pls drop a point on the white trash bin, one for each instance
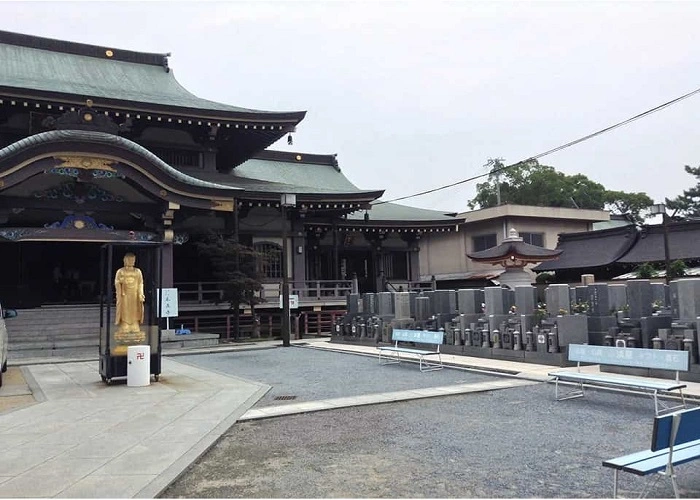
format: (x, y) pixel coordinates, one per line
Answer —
(138, 368)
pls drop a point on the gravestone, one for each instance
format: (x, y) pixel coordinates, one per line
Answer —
(354, 303)
(650, 326)
(445, 301)
(572, 329)
(385, 303)
(599, 299)
(557, 299)
(402, 305)
(618, 296)
(369, 304)
(659, 293)
(526, 299)
(685, 299)
(469, 301)
(639, 298)
(423, 310)
(431, 295)
(412, 302)
(496, 321)
(582, 293)
(498, 300)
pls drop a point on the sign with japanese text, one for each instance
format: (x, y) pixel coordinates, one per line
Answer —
(168, 302)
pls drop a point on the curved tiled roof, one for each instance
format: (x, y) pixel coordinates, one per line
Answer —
(86, 71)
(394, 212)
(518, 249)
(683, 238)
(104, 139)
(591, 249)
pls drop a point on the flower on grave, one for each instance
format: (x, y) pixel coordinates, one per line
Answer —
(580, 307)
(513, 310)
(657, 305)
(541, 311)
(483, 307)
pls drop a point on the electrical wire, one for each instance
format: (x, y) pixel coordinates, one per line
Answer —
(549, 152)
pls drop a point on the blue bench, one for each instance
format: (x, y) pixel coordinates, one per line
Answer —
(625, 356)
(675, 440)
(416, 336)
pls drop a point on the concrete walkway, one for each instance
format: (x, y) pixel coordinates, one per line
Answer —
(89, 440)
(85, 439)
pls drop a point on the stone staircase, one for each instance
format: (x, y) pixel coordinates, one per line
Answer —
(73, 331)
(50, 330)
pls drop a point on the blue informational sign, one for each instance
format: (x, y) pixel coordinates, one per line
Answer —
(420, 336)
(630, 356)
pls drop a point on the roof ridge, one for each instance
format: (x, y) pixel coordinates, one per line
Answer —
(298, 157)
(83, 49)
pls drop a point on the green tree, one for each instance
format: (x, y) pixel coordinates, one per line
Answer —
(645, 271)
(238, 267)
(529, 183)
(632, 204)
(688, 203)
(676, 269)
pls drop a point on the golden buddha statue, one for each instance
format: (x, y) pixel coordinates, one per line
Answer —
(128, 283)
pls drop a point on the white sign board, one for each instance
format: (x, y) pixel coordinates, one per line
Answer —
(168, 302)
(293, 302)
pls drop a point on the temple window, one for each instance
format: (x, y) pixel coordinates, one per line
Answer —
(270, 260)
(483, 241)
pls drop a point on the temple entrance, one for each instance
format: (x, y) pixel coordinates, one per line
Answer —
(42, 273)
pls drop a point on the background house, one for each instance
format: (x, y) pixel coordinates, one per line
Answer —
(444, 255)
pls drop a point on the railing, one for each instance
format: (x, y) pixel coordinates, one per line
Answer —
(205, 292)
(264, 325)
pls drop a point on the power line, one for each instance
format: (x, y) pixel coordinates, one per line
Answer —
(553, 150)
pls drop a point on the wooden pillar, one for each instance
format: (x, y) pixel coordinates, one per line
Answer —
(336, 261)
(298, 250)
(168, 280)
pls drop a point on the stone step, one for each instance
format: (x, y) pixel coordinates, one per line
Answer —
(49, 337)
(58, 344)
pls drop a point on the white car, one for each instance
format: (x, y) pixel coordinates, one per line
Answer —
(4, 313)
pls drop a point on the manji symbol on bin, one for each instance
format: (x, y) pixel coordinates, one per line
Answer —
(139, 355)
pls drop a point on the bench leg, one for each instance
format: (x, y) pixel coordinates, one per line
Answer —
(616, 477)
(429, 367)
(574, 393)
(389, 359)
(661, 406)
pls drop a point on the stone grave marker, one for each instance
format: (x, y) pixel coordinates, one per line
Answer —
(557, 299)
(469, 301)
(639, 298)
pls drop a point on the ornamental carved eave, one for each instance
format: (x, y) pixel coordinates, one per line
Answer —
(85, 163)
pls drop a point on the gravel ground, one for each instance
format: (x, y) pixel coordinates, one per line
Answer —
(313, 374)
(510, 443)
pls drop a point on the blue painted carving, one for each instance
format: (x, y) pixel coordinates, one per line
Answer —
(75, 172)
(181, 238)
(78, 192)
(78, 222)
(13, 234)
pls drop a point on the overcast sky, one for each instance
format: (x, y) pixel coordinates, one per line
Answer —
(415, 95)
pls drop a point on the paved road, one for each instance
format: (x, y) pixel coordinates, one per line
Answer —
(511, 443)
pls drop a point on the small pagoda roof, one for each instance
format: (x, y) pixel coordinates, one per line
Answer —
(72, 72)
(514, 247)
(591, 249)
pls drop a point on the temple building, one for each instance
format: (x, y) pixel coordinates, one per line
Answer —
(100, 145)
